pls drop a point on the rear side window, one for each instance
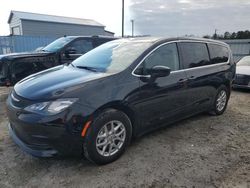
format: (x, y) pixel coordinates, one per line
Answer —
(218, 53)
(194, 54)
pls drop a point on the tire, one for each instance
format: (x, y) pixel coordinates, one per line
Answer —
(103, 144)
(220, 101)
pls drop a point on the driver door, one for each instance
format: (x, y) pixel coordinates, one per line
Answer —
(163, 98)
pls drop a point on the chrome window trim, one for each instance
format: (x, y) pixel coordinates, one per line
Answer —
(181, 70)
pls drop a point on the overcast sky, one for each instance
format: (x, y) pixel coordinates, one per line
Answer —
(153, 17)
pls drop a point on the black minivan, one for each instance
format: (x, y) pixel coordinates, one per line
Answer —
(119, 90)
(16, 66)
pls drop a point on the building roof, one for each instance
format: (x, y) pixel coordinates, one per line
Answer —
(52, 18)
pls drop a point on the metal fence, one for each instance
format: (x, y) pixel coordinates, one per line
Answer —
(11, 44)
(239, 47)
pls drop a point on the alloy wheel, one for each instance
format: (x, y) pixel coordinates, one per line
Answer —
(221, 100)
(110, 138)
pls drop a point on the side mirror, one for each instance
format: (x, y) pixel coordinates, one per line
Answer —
(159, 71)
(70, 51)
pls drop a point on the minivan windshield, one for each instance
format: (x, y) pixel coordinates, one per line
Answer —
(113, 56)
(245, 61)
(57, 44)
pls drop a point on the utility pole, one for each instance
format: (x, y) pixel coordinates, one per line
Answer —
(215, 33)
(132, 22)
(122, 18)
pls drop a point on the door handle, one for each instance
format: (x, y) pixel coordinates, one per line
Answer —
(192, 78)
(183, 80)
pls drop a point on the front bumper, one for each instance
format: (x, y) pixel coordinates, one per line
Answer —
(35, 151)
(241, 86)
(242, 82)
(45, 136)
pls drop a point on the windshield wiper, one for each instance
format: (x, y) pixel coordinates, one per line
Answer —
(87, 68)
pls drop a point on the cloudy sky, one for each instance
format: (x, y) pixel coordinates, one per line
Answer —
(152, 17)
(198, 17)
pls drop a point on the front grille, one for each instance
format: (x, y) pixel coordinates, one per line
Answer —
(19, 101)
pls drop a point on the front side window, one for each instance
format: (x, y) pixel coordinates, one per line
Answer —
(166, 55)
(218, 53)
(194, 54)
(81, 46)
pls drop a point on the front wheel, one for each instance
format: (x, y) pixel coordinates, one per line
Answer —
(108, 136)
(221, 100)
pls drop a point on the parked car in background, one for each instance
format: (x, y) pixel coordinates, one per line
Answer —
(242, 79)
(120, 89)
(14, 67)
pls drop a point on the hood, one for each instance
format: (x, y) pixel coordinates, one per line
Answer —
(23, 55)
(54, 82)
(245, 70)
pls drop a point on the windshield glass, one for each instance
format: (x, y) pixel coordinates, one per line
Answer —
(57, 44)
(113, 56)
(245, 61)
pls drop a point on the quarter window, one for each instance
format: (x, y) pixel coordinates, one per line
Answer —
(218, 54)
(166, 55)
(194, 54)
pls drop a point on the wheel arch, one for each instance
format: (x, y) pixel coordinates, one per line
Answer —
(123, 107)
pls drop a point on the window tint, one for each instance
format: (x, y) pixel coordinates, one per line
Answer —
(166, 55)
(194, 54)
(81, 46)
(218, 54)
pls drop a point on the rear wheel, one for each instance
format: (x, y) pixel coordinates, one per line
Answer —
(221, 100)
(108, 136)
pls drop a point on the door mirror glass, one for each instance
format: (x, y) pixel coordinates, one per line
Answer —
(159, 71)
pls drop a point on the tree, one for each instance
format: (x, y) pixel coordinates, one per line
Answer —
(233, 35)
(227, 35)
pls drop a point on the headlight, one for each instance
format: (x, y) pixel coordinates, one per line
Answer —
(51, 107)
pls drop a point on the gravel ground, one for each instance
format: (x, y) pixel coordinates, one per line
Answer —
(203, 151)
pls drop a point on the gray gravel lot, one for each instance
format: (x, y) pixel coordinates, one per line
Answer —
(203, 151)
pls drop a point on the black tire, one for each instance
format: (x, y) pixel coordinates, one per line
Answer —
(90, 149)
(215, 109)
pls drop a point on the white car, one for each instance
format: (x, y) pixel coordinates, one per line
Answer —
(242, 79)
